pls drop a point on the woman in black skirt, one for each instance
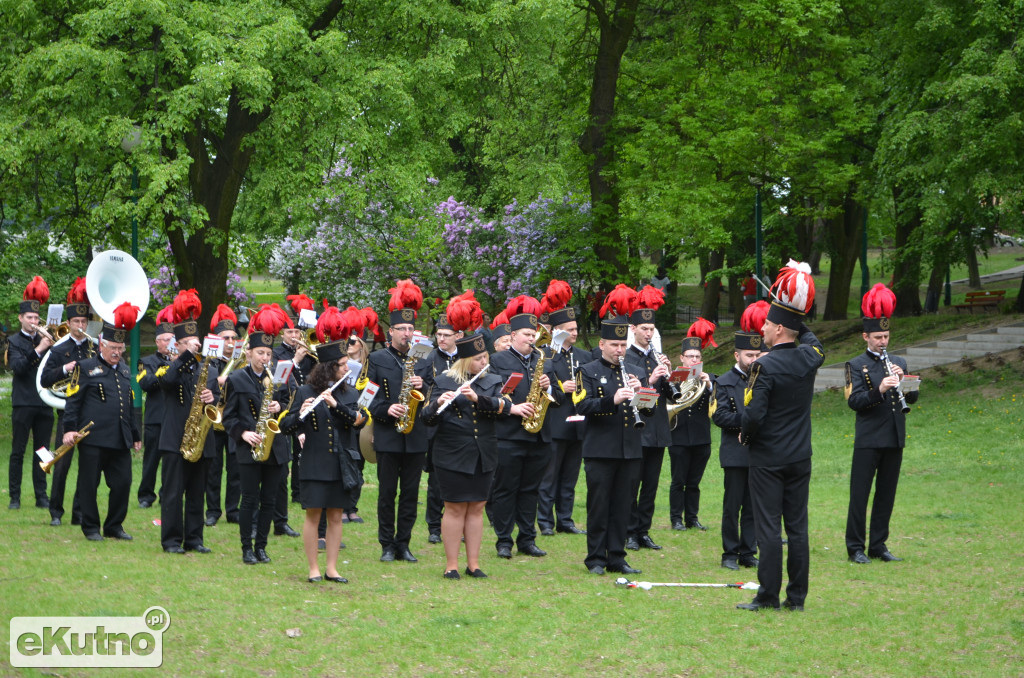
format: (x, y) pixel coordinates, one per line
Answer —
(465, 451)
(326, 469)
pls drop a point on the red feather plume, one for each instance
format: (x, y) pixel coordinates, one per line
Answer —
(223, 312)
(77, 294)
(38, 290)
(187, 306)
(705, 330)
(794, 287)
(621, 300)
(500, 319)
(125, 316)
(754, 316)
(300, 302)
(557, 296)
(879, 302)
(523, 304)
(166, 315)
(406, 294)
(330, 326)
(354, 322)
(650, 297)
(464, 312)
(372, 323)
(270, 319)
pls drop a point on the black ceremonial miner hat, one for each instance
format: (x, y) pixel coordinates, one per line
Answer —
(471, 346)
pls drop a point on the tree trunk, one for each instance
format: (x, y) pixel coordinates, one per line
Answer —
(735, 294)
(843, 234)
(907, 266)
(1019, 306)
(712, 288)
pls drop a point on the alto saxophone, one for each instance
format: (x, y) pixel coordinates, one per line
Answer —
(538, 397)
(266, 426)
(200, 418)
(409, 397)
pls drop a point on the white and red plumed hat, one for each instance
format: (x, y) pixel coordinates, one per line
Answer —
(125, 317)
(267, 323)
(648, 300)
(877, 307)
(752, 326)
(522, 312)
(700, 334)
(36, 294)
(793, 293)
(620, 301)
(223, 320)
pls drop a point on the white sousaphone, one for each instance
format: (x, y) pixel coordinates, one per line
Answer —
(113, 278)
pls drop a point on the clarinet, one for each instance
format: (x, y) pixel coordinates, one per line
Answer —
(899, 391)
(637, 421)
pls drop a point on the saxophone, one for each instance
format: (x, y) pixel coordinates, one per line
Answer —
(538, 397)
(266, 426)
(200, 418)
(409, 397)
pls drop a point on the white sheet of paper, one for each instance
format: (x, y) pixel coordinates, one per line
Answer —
(213, 346)
(645, 398)
(282, 372)
(44, 455)
(368, 393)
(307, 318)
(55, 314)
(909, 384)
(557, 339)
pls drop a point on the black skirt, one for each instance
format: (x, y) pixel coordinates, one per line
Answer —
(457, 487)
(324, 494)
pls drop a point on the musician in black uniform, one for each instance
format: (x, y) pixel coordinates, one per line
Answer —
(181, 522)
(104, 397)
(522, 456)
(261, 480)
(739, 543)
(880, 434)
(465, 452)
(777, 428)
(557, 495)
(29, 414)
(327, 469)
(359, 351)
(223, 463)
(442, 358)
(400, 456)
(58, 365)
(292, 347)
(501, 337)
(612, 449)
(151, 371)
(691, 447)
(655, 435)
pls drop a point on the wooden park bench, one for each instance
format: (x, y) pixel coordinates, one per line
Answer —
(982, 299)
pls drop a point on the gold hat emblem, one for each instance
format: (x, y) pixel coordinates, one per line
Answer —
(192, 328)
(267, 340)
(118, 336)
(883, 322)
(570, 313)
(755, 342)
(34, 305)
(647, 315)
(620, 331)
(478, 344)
(408, 315)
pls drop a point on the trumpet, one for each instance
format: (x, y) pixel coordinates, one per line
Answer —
(307, 341)
(83, 432)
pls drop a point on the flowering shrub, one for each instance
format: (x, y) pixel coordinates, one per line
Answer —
(164, 287)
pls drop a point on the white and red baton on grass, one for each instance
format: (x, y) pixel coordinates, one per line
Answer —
(647, 585)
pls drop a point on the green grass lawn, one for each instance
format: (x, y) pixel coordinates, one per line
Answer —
(954, 607)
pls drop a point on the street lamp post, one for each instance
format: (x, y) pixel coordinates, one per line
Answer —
(865, 275)
(758, 237)
(128, 144)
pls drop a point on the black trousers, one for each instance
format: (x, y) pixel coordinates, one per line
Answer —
(557, 494)
(738, 538)
(261, 484)
(116, 467)
(687, 464)
(58, 485)
(26, 421)
(150, 464)
(296, 483)
(181, 505)
(398, 476)
(641, 512)
(358, 490)
(779, 495)
(881, 466)
(435, 506)
(521, 467)
(611, 486)
(281, 505)
(222, 464)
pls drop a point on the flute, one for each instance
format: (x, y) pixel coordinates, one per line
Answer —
(445, 404)
(319, 398)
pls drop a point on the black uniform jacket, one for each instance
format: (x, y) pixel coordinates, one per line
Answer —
(509, 426)
(153, 385)
(439, 361)
(23, 361)
(728, 416)
(242, 409)
(656, 432)
(466, 431)
(777, 419)
(693, 425)
(301, 370)
(329, 431)
(386, 370)
(609, 433)
(880, 419)
(179, 390)
(561, 368)
(60, 354)
(104, 397)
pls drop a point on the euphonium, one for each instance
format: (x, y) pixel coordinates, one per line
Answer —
(266, 426)
(200, 418)
(538, 397)
(409, 397)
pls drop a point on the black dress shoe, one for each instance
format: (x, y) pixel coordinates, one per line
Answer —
(452, 574)
(313, 580)
(648, 543)
(532, 550)
(434, 538)
(199, 549)
(572, 529)
(756, 605)
(504, 551)
(354, 518)
(749, 561)
(94, 536)
(632, 544)
(248, 557)
(859, 558)
(885, 557)
(695, 524)
(336, 580)
(211, 521)
(596, 569)
(321, 544)
(285, 530)
(76, 520)
(678, 525)
(119, 534)
(476, 574)
(54, 522)
(261, 556)
(786, 605)
(730, 564)
(43, 503)
(145, 503)
(176, 549)
(14, 505)
(407, 556)
(548, 532)
(386, 555)
(624, 568)
(232, 519)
